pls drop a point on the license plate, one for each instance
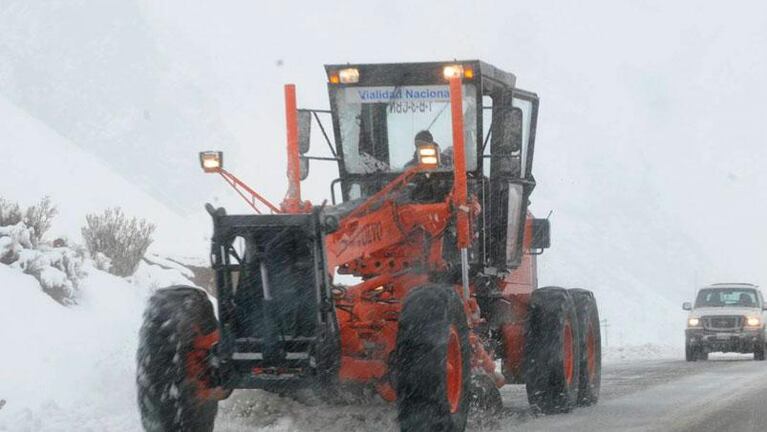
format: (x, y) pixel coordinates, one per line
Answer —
(723, 336)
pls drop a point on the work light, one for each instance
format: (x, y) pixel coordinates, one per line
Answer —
(211, 161)
(428, 155)
(349, 76)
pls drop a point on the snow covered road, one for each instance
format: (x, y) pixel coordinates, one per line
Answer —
(725, 393)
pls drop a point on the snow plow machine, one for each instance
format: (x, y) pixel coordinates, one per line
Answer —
(418, 281)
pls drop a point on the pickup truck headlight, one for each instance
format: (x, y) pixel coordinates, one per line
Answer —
(693, 322)
(753, 321)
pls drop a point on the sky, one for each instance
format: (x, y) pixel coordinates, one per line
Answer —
(650, 103)
(649, 141)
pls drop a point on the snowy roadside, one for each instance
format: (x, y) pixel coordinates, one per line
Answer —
(644, 352)
(72, 368)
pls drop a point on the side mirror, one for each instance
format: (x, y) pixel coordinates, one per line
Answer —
(304, 130)
(506, 141)
(303, 168)
(541, 234)
(304, 141)
(687, 306)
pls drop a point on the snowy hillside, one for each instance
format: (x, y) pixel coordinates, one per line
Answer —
(65, 368)
(94, 72)
(654, 182)
(40, 162)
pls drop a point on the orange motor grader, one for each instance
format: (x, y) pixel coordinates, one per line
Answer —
(418, 279)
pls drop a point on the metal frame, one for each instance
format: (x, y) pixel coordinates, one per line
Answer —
(241, 356)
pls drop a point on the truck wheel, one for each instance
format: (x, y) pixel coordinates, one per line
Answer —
(433, 361)
(701, 354)
(552, 351)
(590, 342)
(759, 350)
(689, 352)
(173, 373)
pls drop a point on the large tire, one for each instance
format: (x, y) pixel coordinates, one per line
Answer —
(552, 351)
(173, 372)
(689, 352)
(433, 361)
(590, 378)
(701, 354)
(759, 350)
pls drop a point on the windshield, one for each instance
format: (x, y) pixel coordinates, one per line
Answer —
(378, 125)
(720, 297)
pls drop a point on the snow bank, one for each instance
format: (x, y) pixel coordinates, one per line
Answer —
(57, 269)
(65, 369)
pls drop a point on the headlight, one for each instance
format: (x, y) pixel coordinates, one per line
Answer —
(753, 321)
(693, 322)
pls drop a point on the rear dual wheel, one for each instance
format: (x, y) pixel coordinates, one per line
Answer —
(552, 351)
(433, 361)
(590, 342)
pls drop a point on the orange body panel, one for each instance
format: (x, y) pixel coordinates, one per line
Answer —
(516, 289)
(396, 247)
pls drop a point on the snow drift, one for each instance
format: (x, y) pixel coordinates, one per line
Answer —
(67, 368)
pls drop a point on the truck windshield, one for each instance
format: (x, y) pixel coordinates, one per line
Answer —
(720, 297)
(378, 125)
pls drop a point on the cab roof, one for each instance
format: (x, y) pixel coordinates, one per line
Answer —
(423, 72)
(731, 285)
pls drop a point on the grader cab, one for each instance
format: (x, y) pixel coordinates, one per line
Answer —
(417, 276)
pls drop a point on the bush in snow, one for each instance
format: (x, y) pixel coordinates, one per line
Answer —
(102, 262)
(14, 239)
(58, 269)
(39, 218)
(10, 213)
(122, 239)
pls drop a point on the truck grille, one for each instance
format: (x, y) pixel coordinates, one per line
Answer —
(722, 322)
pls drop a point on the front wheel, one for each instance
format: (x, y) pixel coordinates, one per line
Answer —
(701, 354)
(689, 352)
(433, 361)
(174, 376)
(759, 350)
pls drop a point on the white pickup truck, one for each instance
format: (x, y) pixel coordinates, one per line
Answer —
(726, 317)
